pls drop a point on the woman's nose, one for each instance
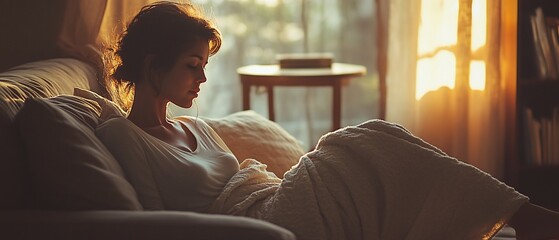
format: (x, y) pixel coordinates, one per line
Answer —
(202, 77)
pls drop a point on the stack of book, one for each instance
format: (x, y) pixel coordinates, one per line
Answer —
(542, 141)
(546, 44)
(305, 60)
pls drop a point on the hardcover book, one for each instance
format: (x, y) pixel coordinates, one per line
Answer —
(305, 60)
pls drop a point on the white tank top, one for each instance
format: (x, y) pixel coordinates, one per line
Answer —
(167, 177)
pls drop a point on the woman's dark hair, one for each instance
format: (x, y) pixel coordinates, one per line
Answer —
(162, 30)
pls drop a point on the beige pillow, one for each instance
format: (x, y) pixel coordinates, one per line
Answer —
(68, 166)
(109, 108)
(250, 135)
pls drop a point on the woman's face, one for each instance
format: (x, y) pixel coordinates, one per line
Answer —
(182, 83)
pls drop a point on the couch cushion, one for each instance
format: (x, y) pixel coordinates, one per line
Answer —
(250, 135)
(109, 109)
(68, 167)
(46, 78)
(138, 225)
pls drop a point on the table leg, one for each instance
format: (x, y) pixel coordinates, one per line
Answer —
(336, 105)
(271, 112)
(246, 96)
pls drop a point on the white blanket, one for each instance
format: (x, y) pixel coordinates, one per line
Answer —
(373, 181)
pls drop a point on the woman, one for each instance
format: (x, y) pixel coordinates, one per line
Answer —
(182, 164)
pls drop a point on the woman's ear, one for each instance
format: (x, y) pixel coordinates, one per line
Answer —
(150, 74)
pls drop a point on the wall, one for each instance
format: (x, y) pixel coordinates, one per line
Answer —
(29, 31)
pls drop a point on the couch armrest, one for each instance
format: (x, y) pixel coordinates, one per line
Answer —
(135, 225)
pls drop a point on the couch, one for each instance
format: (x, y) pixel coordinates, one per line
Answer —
(59, 182)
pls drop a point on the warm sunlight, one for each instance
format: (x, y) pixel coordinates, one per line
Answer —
(438, 25)
(477, 75)
(479, 24)
(436, 65)
(435, 72)
(479, 31)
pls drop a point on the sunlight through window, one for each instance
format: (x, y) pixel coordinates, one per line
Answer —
(438, 27)
(479, 23)
(479, 31)
(434, 73)
(477, 75)
(436, 65)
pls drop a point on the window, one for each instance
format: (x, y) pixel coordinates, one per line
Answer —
(254, 31)
(438, 45)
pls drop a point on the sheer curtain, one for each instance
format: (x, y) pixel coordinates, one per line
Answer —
(88, 25)
(443, 77)
(78, 35)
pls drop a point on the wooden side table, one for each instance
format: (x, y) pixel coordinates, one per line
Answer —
(272, 75)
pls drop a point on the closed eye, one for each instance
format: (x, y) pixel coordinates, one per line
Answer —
(194, 66)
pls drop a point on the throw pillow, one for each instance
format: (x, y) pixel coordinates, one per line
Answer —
(69, 168)
(250, 135)
(109, 109)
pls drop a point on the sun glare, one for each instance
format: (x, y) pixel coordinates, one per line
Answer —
(479, 23)
(438, 25)
(438, 30)
(479, 38)
(434, 73)
(477, 75)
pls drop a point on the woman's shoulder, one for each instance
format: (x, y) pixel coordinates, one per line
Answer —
(119, 126)
(185, 118)
(192, 121)
(115, 123)
(204, 129)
